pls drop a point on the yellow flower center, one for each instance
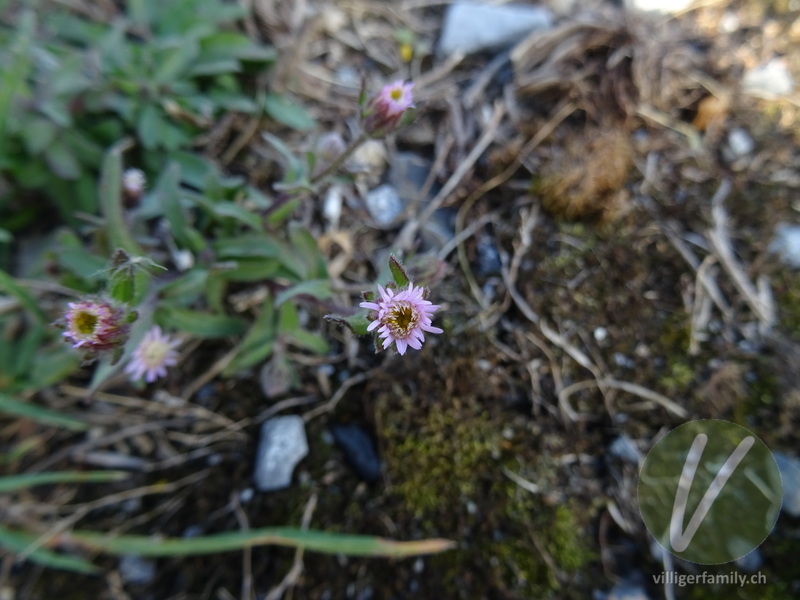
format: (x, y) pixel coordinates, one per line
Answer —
(154, 354)
(396, 94)
(403, 319)
(85, 322)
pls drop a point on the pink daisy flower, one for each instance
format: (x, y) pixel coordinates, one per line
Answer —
(402, 317)
(152, 356)
(388, 107)
(95, 325)
(395, 98)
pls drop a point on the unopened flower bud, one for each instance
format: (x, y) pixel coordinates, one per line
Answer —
(386, 109)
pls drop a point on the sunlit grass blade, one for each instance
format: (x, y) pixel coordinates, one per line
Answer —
(317, 541)
(39, 414)
(12, 483)
(18, 542)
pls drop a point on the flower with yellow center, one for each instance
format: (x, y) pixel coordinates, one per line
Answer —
(152, 356)
(95, 325)
(402, 317)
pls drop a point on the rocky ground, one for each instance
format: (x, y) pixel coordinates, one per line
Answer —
(605, 205)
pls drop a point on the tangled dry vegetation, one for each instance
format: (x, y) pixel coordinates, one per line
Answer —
(607, 273)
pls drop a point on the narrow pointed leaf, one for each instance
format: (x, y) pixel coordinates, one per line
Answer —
(317, 541)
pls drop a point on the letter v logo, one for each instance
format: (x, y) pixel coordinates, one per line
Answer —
(709, 491)
(680, 540)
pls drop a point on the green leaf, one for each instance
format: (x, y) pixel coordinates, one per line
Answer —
(185, 289)
(228, 210)
(61, 159)
(226, 45)
(259, 342)
(12, 288)
(195, 170)
(308, 341)
(19, 542)
(25, 350)
(111, 200)
(251, 269)
(215, 67)
(71, 255)
(288, 113)
(12, 483)
(288, 320)
(51, 366)
(173, 62)
(38, 135)
(150, 126)
(167, 194)
(200, 324)
(39, 414)
(15, 75)
(317, 541)
(398, 272)
(248, 245)
(307, 250)
(318, 288)
(121, 286)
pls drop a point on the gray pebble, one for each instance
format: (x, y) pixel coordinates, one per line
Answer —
(789, 467)
(471, 27)
(282, 445)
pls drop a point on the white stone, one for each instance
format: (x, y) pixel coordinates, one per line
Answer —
(739, 144)
(384, 205)
(282, 445)
(135, 570)
(786, 244)
(471, 27)
(790, 476)
(659, 6)
(770, 80)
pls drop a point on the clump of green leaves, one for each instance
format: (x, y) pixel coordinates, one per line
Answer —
(160, 71)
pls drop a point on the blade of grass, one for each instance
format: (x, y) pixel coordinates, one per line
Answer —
(317, 541)
(17, 542)
(111, 199)
(11, 483)
(39, 414)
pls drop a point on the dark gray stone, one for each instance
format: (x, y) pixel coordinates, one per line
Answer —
(359, 450)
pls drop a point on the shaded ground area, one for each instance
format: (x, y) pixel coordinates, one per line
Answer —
(603, 264)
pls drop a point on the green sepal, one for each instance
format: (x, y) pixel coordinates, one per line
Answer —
(121, 286)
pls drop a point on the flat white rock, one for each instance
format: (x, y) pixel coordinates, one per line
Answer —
(471, 27)
(282, 445)
(770, 80)
(786, 244)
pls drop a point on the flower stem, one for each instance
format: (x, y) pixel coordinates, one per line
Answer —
(334, 166)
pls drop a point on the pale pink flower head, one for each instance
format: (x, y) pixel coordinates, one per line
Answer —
(152, 356)
(96, 325)
(401, 317)
(387, 108)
